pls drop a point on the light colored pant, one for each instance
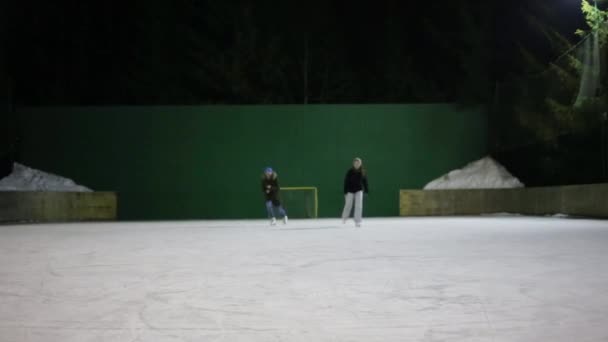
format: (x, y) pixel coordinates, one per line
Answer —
(349, 198)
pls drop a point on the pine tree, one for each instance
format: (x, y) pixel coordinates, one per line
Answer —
(547, 104)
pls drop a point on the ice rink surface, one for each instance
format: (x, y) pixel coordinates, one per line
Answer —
(431, 279)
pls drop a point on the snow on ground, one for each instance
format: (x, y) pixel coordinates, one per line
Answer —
(24, 178)
(414, 279)
(485, 173)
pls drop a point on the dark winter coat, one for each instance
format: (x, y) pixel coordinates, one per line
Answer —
(270, 188)
(355, 181)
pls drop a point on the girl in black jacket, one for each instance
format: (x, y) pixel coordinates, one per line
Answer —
(355, 184)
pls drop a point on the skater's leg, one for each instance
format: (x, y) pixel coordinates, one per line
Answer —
(283, 213)
(358, 207)
(348, 205)
(269, 209)
(281, 210)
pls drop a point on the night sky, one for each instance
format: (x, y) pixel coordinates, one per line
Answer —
(245, 52)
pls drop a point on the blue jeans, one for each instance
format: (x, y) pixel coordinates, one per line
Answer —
(270, 209)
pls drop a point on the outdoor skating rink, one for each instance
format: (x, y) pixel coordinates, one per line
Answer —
(411, 279)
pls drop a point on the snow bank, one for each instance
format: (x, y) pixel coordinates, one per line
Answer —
(24, 178)
(485, 173)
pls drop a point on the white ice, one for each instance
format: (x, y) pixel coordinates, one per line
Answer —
(432, 279)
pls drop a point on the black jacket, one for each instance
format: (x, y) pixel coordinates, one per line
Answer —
(272, 185)
(355, 181)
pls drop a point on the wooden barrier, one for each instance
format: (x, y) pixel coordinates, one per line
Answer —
(577, 200)
(57, 206)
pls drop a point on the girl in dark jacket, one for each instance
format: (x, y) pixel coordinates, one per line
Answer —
(270, 187)
(355, 184)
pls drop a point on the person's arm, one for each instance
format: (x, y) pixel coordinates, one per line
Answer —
(365, 185)
(263, 186)
(346, 182)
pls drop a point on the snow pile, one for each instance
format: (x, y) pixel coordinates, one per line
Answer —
(485, 173)
(24, 178)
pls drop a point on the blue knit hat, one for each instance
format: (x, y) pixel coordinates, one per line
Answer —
(269, 170)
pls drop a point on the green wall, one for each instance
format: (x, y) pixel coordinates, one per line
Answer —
(205, 161)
